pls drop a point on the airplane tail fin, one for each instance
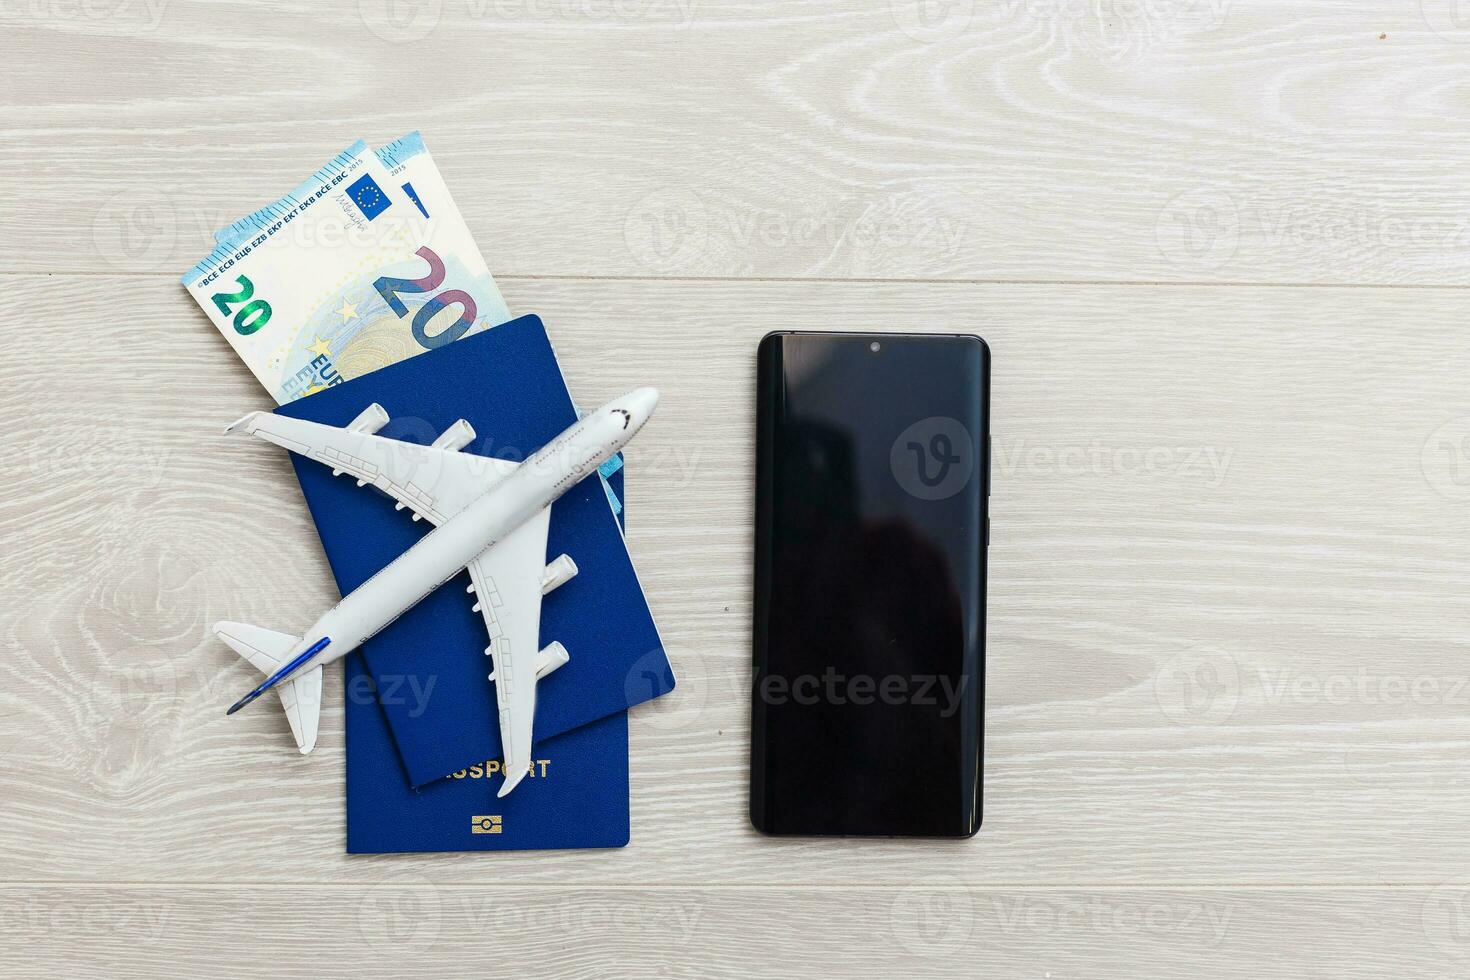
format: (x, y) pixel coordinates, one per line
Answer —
(268, 650)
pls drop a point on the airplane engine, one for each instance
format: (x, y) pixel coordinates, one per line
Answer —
(369, 420)
(552, 656)
(558, 573)
(456, 437)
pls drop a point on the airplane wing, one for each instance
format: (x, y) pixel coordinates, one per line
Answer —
(435, 482)
(508, 580)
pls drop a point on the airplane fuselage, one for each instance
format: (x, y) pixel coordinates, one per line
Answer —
(445, 551)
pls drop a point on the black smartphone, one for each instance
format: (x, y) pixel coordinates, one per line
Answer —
(871, 527)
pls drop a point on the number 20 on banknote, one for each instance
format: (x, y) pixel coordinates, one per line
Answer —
(249, 314)
(392, 289)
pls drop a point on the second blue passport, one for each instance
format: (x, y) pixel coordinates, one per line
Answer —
(429, 665)
(577, 795)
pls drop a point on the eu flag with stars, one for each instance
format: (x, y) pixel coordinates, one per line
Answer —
(368, 196)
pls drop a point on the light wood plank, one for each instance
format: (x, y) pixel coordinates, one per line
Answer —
(414, 928)
(1316, 588)
(1200, 140)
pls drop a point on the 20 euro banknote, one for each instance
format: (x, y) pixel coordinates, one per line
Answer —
(408, 162)
(346, 274)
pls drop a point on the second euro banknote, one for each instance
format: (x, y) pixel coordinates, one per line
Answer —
(365, 263)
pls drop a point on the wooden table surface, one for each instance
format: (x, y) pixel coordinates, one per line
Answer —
(1221, 250)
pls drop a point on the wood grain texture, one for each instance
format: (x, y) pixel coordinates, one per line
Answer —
(1228, 590)
(1228, 700)
(411, 928)
(1174, 140)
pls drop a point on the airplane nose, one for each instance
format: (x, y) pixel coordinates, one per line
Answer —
(641, 403)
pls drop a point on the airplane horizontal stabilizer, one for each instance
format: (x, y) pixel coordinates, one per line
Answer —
(268, 650)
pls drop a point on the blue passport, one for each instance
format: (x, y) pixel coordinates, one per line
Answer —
(429, 667)
(576, 796)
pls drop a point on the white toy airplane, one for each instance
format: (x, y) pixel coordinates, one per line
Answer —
(492, 517)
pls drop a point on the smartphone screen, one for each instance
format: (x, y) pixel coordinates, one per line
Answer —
(872, 477)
